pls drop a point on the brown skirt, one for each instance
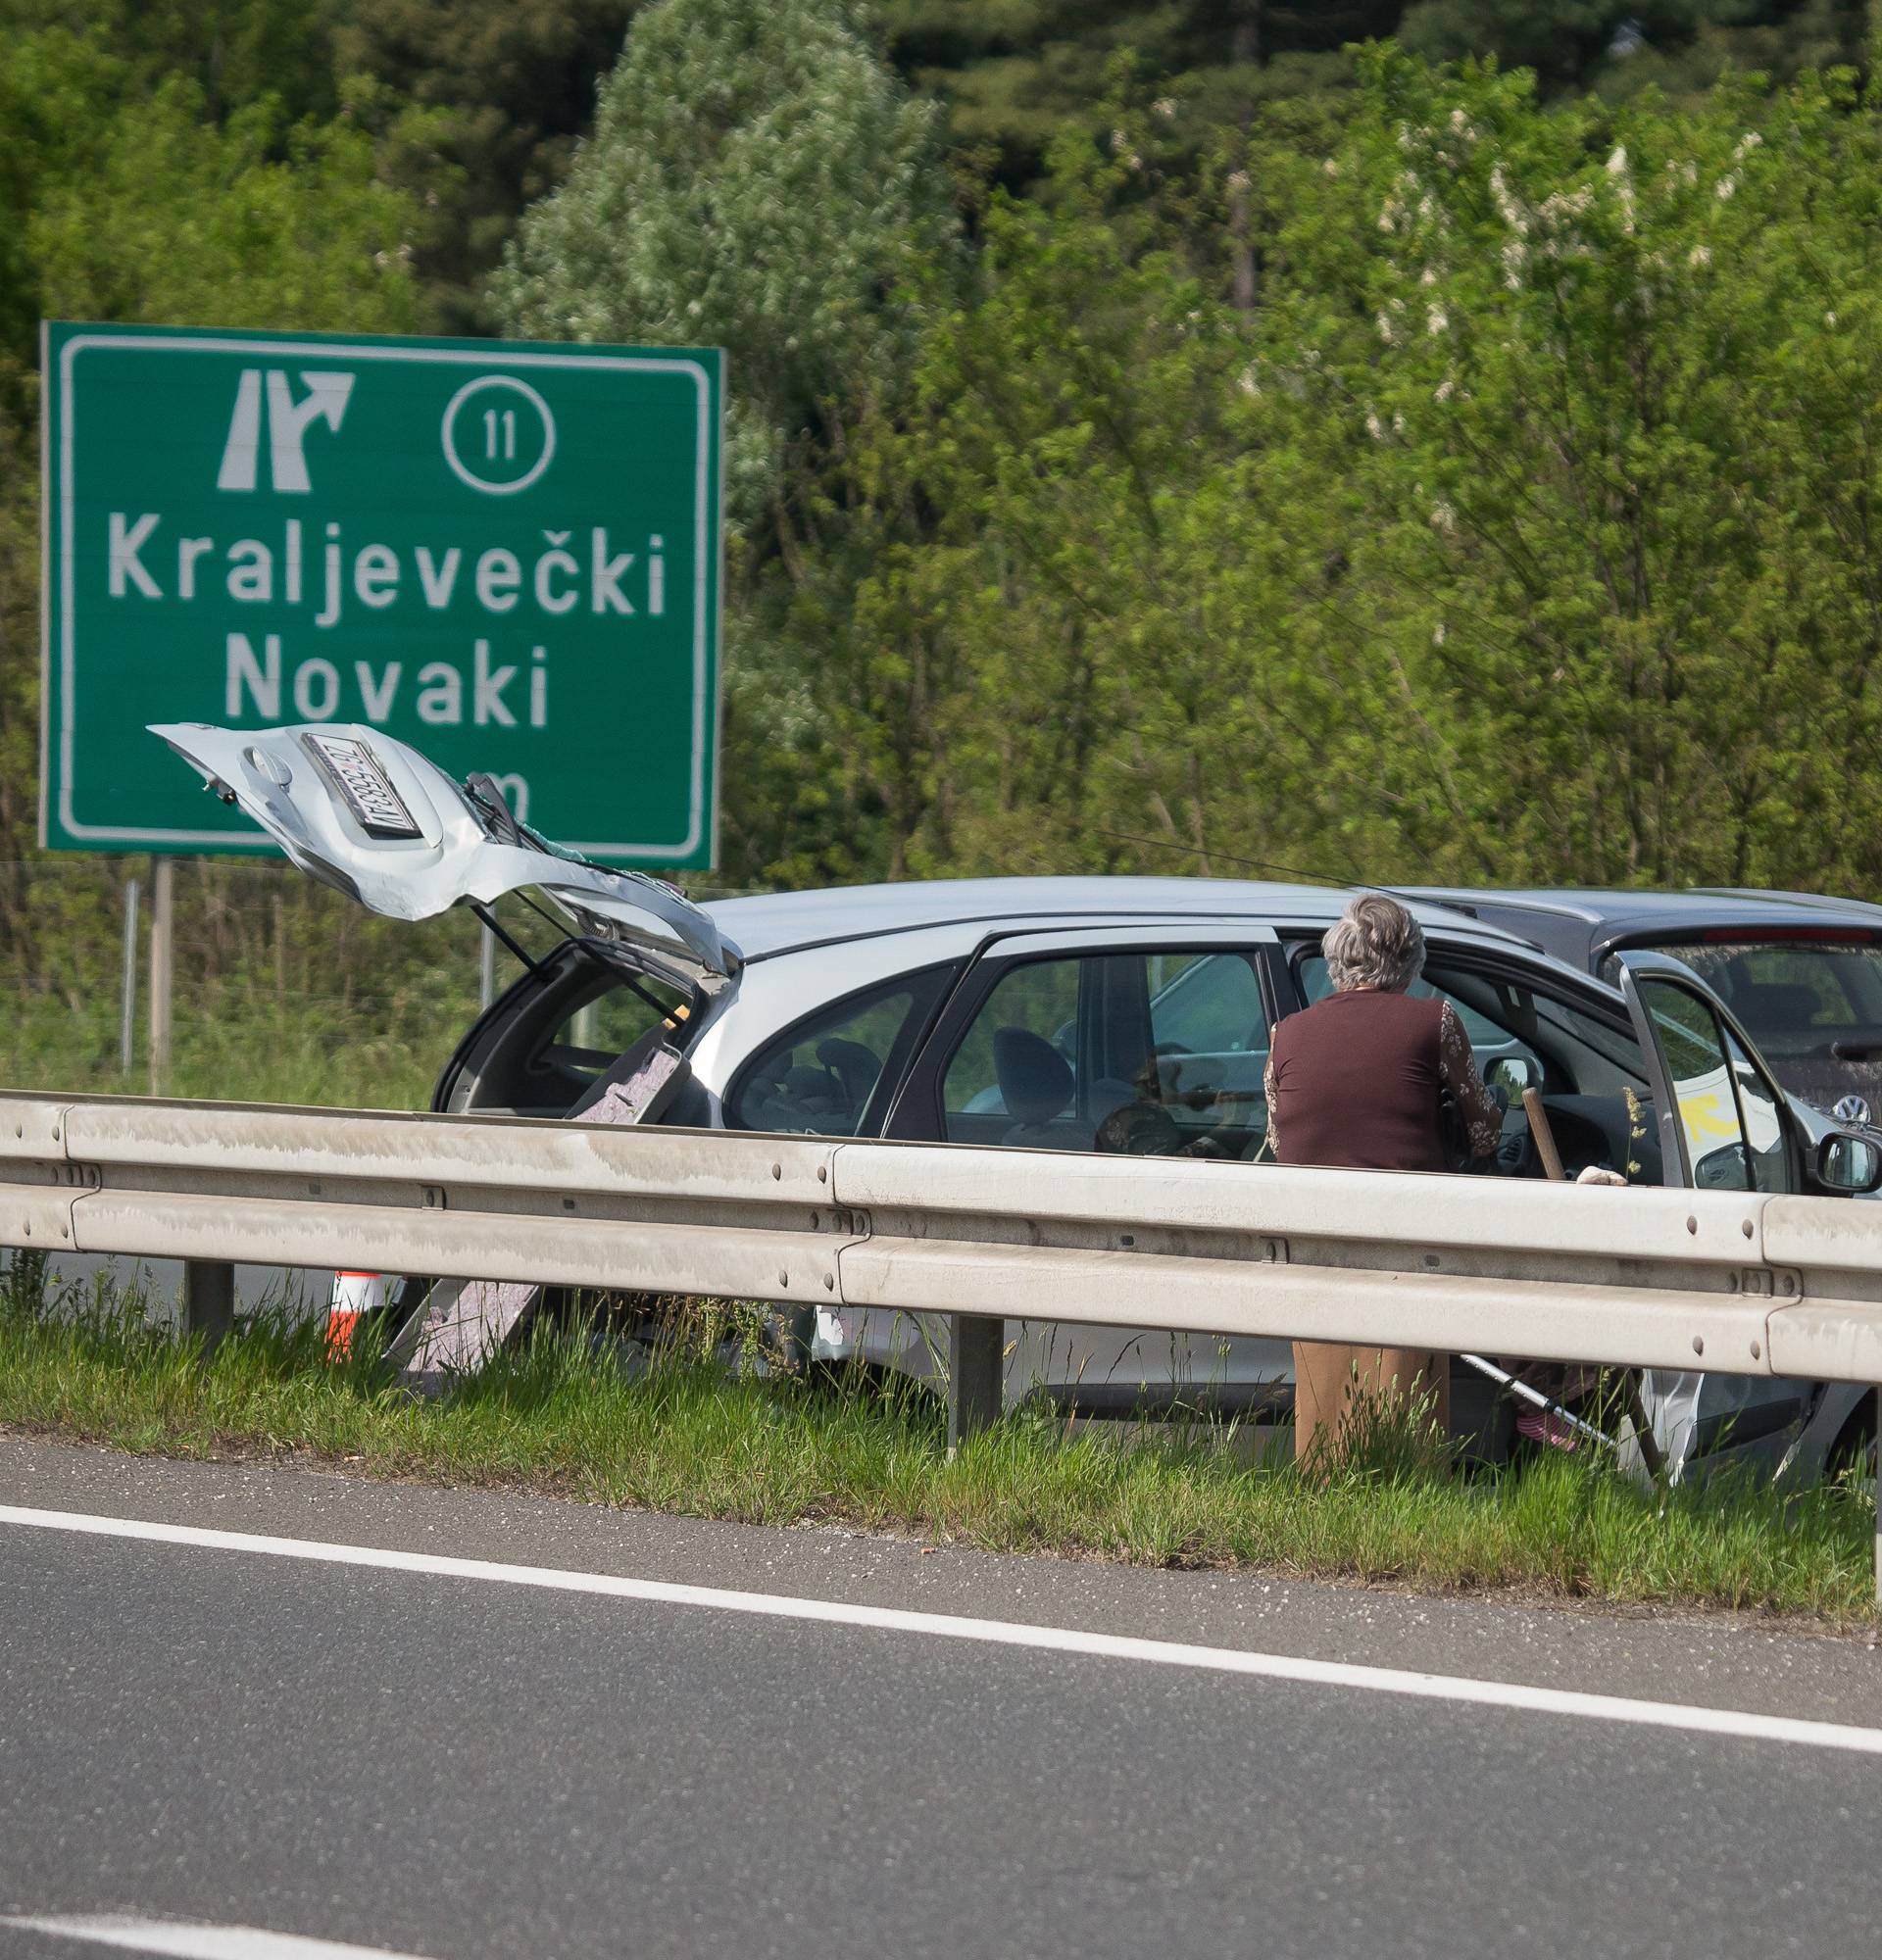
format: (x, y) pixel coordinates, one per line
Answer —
(1333, 1380)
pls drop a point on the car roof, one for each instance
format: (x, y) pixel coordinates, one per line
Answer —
(1696, 905)
(1574, 921)
(780, 922)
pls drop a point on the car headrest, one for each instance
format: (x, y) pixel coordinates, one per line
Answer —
(1777, 1004)
(853, 1063)
(1035, 1079)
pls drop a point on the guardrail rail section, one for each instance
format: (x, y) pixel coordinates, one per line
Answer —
(1737, 1283)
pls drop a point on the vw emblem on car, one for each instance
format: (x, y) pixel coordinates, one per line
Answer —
(1851, 1110)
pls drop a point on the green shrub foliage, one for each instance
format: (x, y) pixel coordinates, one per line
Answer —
(1164, 437)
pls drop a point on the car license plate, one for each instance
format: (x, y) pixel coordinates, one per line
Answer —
(375, 804)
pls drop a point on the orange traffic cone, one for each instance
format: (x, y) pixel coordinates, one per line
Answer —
(354, 1293)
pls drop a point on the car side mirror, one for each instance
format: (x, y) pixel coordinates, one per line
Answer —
(1849, 1164)
(1513, 1074)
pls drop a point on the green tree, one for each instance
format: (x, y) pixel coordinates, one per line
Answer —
(235, 51)
(1527, 528)
(245, 224)
(1622, 45)
(1600, 394)
(58, 92)
(478, 105)
(1017, 75)
(757, 179)
(1060, 667)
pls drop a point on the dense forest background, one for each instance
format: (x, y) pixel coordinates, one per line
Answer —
(1386, 441)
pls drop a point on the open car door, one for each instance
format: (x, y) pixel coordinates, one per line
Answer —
(381, 823)
(1724, 1125)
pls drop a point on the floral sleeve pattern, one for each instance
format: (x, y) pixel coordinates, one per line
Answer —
(1458, 1069)
(1273, 1104)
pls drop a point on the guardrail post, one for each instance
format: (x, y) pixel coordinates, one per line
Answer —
(209, 1300)
(975, 1356)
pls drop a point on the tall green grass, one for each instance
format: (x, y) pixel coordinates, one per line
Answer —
(380, 1053)
(575, 1415)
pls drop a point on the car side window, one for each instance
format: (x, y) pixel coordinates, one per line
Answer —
(1761, 1104)
(830, 1075)
(1209, 1035)
(1137, 1053)
(1702, 1079)
(1019, 1059)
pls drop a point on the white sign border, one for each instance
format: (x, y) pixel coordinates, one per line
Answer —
(497, 354)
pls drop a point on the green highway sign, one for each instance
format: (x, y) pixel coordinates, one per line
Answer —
(504, 553)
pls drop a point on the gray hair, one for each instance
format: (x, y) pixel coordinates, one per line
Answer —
(1376, 943)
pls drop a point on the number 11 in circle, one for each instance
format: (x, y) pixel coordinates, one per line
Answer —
(500, 436)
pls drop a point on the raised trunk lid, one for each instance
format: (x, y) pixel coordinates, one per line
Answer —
(375, 819)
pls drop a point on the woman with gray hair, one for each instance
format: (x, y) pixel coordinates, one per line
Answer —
(1353, 1082)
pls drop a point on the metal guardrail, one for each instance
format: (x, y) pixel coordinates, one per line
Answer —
(1735, 1282)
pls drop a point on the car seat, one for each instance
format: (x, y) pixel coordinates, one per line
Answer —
(1037, 1084)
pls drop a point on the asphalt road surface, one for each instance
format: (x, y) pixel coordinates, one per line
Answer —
(402, 1752)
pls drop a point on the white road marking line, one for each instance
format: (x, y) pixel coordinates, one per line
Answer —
(1729, 1722)
(193, 1939)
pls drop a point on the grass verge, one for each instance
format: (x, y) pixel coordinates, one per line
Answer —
(564, 1417)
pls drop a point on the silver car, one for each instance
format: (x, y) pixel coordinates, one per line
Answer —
(1088, 1013)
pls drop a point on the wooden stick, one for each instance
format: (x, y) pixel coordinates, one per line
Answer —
(1552, 1166)
(1545, 1136)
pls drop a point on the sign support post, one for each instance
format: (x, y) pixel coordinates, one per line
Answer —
(128, 1020)
(163, 959)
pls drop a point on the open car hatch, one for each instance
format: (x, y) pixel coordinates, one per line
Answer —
(375, 819)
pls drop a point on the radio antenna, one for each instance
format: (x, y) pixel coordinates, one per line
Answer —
(1227, 857)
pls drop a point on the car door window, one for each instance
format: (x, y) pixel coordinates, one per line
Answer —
(830, 1075)
(1761, 1106)
(1140, 1053)
(1815, 1009)
(1016, 1069)
(1700, 1072)
(1210, 1033)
